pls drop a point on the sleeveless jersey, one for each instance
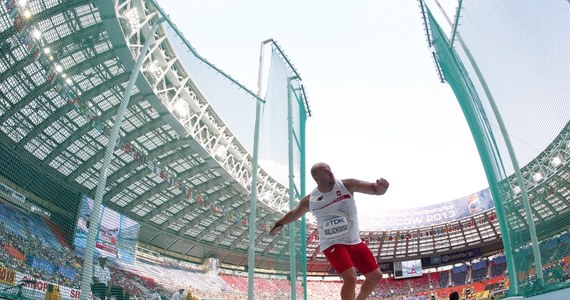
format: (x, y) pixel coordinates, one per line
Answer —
(337, 219)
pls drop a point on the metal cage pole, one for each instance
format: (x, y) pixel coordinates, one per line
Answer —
(254, 171)
(303, 121)
(101, 185)
(292, 256)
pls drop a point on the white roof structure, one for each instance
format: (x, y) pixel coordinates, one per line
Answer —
(64, 66)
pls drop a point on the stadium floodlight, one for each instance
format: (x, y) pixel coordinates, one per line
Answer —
(222, 152)
(47, 50)
(26, 14)
(266, 197)
(154, 68)
(556, 161)
(132, 16)
(22, 3)
(517, 190)
(36, 34)
(58, 68)
(68, 81)
(181, 108)
(537, 177)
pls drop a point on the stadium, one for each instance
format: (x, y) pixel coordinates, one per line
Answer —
(118, 140)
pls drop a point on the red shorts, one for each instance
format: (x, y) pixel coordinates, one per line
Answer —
(343, 257)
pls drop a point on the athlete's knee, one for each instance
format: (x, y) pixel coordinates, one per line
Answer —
(374, 276)
(349, 277)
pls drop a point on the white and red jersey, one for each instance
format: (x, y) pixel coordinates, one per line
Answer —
(337, 219)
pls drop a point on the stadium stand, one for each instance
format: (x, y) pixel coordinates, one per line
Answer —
(187, 204)
(45, 260)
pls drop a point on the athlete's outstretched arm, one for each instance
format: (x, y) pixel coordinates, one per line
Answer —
(293, 215)
(379, 187)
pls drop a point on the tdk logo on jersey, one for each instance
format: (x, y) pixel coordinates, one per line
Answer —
(320, 198)
(338, 193)
(335, 228)
(334, 222)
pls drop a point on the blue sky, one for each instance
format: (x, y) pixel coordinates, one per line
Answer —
(378, 107)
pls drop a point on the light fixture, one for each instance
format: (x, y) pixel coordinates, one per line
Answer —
(266, 196)
(537, 177)
(47, 50)
(132, 16)
(181, 107)
(22, 3)
(556, 161)
(36, 34)
(517, 189)
(68, 81)
(58, 68)
(222, 152)
(154, 68)
(27, 14)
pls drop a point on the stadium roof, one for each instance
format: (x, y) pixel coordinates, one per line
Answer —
(64, 68)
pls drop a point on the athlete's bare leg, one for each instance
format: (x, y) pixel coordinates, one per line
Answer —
(371, 281)
(347, 291)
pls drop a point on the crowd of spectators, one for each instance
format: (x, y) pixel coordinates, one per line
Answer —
(479, 271)
(459, 275)
(28, 246)
(444, 279)
(26, 253)
(21, 244)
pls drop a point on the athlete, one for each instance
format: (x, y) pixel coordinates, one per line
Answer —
(333, 205)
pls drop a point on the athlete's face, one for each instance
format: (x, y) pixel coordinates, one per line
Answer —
(323, 176)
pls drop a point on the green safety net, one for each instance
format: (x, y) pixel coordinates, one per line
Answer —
(282, 152)
(509, 67)
(169, 219)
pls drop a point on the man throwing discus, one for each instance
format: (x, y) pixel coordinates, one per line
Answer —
(333, 205)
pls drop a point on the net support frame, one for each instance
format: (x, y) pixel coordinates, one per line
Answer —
(86, 278)
(292, 252)
(255, 166)
(514, 286)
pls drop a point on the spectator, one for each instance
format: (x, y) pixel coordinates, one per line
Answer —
(189, 296)
(101, 279)
(53, 292)
(154, 295)
(178, 295)
(454, 296)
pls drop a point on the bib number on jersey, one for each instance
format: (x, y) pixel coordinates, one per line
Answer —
(335, 227)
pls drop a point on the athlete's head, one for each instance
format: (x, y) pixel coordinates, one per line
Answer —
(322, 174)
